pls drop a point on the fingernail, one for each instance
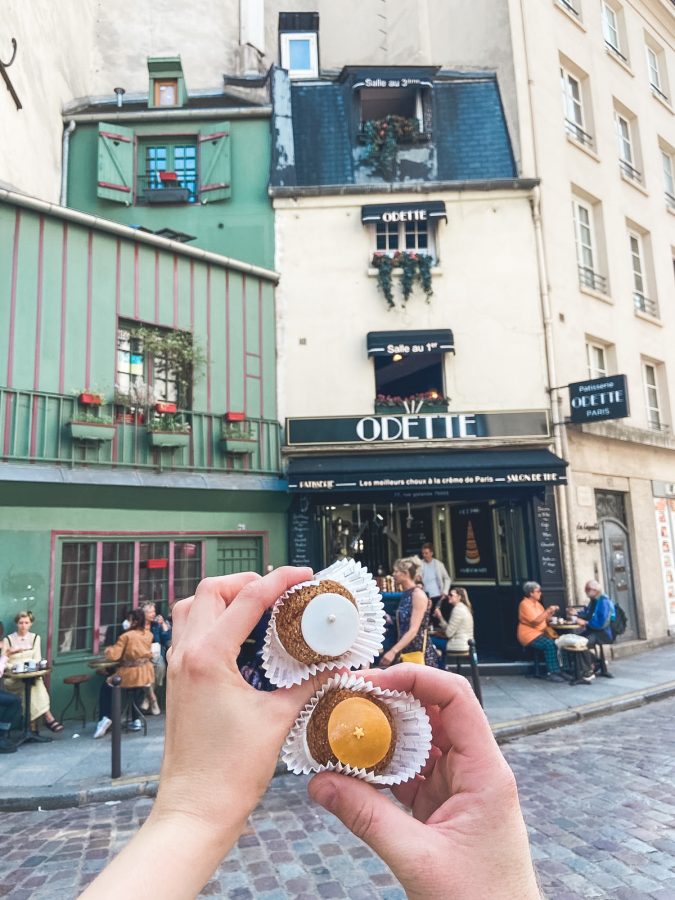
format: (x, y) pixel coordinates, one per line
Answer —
(325, 794)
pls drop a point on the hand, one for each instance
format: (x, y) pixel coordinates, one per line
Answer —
(437, 614)
(551, 610)
(159, 620)
(465, 809)
(387, 659)
(222, 740)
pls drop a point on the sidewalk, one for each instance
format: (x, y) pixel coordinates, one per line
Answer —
(74, 769)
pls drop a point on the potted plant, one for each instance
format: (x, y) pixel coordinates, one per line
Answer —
(382, 137)
(133, 403)
(426, 402)
(90, 398)
(167, 430)
(89, 426)
(238, 437)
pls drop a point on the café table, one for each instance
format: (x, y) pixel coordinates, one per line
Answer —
(571, 628)
(29, 679)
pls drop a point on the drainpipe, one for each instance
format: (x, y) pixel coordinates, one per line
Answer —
(64, 161)
(556, 401)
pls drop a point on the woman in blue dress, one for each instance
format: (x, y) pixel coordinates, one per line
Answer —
(414, 613)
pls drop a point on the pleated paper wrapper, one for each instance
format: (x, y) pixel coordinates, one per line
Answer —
(413, 735)
(283, 670)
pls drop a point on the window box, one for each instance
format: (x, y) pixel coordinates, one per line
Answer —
(413, 408)
(167, 195)
(89, 398)
(239, 439)
(168, 439)
(90, 431)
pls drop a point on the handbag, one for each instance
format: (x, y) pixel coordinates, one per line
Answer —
(415, 656)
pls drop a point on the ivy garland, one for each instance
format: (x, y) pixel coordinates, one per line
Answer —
(382, 138)
(414, 266)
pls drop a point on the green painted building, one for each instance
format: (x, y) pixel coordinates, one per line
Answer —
(139, 442)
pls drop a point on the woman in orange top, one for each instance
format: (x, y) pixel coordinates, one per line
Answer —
(533, 621)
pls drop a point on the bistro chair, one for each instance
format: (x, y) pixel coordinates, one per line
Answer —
(537, 657)
(456, 658)
(76, 700)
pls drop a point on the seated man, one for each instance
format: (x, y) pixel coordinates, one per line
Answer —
(597, 617)
(532, 627)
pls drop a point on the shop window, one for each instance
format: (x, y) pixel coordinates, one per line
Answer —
(166, 571)
(153, 364)
(576, 103)
(299, 44)
(413, 379)
(239, 555)
(169, 169)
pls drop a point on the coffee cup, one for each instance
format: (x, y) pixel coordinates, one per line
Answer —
(44, 664)
(31, 665)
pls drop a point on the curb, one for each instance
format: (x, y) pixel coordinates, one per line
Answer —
(147, 785)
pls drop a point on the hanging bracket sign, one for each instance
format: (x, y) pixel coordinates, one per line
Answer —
(599, 399)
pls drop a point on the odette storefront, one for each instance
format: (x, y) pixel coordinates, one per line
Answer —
(479, 485)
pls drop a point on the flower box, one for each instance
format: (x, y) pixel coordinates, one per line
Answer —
(238, 446)
(89, 398)
(235, 416)
(168, 439)
(163, 406)
(90, 431)
(167, 195)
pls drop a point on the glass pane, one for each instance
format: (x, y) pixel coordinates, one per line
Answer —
(153, 576)
(416, 236)
(155, 162)
(76, 597)
(187, 568)
(299, 53)
(117, 586)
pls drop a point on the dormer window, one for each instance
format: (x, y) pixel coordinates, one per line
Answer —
(378, 103)
(166, 87)
(299, 44)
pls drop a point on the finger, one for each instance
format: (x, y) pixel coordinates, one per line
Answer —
(406, 793)
(180, 613)
(369, 814)
(289, 702)
(244, 613)
(211, 598)
(464, 722)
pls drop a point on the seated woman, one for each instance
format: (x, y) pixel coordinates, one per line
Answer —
(459, 628)
(133, 654)
(533, 626)
(23, 646)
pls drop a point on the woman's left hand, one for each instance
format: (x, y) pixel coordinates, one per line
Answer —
(387, 659)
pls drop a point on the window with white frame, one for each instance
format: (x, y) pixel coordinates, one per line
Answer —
(300, 53)
(612, 26)
(576, 122)
(571, 6)
(656, 69)
(627, 145)
(584, 232)
(596, 359)
(413, 237)
(667, 160)
(653, 405)
(641, 301)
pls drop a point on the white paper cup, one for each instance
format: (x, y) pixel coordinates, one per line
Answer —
(413, 735)
(283, 670)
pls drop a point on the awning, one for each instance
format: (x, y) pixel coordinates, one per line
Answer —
(387, 343)
(406, 473)
(404, 212)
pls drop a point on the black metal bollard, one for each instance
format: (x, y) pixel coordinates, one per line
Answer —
(116, 730)
(475, 674)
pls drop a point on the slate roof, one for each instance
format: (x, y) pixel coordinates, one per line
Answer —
(469, 132)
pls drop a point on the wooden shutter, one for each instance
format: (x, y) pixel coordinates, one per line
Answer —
(115, 163)
(215, 163)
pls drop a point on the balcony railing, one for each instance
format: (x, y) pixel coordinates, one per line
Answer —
(570, 7)
(630, 171)
(645, 305)
(34, 427)
(659, 93)
(578, 133)
(590, 279)
(615, 50)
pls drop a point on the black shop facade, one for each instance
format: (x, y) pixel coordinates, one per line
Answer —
(479, 485)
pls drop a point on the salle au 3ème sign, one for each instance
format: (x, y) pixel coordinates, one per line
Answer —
(408, 427)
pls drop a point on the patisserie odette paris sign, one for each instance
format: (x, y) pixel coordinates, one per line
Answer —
(404, 427)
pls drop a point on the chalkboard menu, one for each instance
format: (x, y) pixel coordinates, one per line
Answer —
(548, 545)
(300, 533)
(416, 529)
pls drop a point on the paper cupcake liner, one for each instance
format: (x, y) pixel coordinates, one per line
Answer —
(413, 735)
(283, 670)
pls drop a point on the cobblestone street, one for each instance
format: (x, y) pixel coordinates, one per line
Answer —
(598, 799)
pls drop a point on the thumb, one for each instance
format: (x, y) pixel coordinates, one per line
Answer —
(367, 813)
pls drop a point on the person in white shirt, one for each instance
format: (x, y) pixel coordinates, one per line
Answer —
(459, 628)
(435, 578)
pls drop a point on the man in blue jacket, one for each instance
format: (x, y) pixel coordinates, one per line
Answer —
(598, 617)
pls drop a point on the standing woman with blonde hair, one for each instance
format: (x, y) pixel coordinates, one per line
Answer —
(23, 646)
(413, 620)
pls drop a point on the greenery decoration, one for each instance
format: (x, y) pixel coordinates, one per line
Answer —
(92, 418)
(429, 400)
(178, 349)
(169, 422)
(416, 267)
(382, 137)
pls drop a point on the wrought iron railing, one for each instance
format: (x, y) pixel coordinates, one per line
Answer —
(578, 133)
(593, 280)
(570, 7)
(630, 171)
(645, 305)
(152, 190)
(36, 427)
(659, 93)
(670, 200)
(655, 423)
(615, 50)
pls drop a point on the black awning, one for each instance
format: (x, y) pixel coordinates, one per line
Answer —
(402, 473)
(404, 212)
(387, 343)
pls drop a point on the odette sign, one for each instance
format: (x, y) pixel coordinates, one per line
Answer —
(601, 398)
